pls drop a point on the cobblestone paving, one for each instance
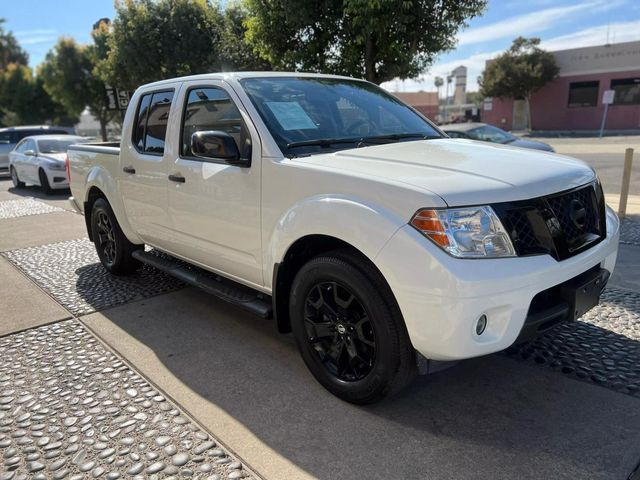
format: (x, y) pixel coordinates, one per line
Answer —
(69, 408)
(630, 231)
(602, 347)
(24, 207)
(70, 271)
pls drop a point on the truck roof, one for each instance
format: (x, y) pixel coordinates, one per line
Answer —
(241, 75)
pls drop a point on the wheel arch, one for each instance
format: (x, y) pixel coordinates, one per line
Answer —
(100, 184)
(299, 253)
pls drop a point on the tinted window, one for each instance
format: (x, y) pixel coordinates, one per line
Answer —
(141, 122)
(322, 109)
(157, 120)
(21, 147)
(488, 133)
(627, 91)
(55, 146)
(455, 134)
(5, 138)
(212, 109)
(583, 94)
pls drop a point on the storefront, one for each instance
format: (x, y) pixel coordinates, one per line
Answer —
(573, 101)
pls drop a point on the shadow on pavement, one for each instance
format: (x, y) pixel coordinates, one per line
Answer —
(36, 192)
(492, 417)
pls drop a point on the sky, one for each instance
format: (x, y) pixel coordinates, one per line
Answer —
(561, 24)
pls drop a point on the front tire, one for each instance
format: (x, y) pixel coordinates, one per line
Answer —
(44, 182)
(14, 178)
(349, 329)
(113, 247)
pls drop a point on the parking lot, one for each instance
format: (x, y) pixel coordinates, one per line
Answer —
(116, 377)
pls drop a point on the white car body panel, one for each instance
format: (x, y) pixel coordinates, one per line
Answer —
(240, 222)
(51, 163)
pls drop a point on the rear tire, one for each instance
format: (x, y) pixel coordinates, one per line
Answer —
(14, 178)
(113, 247)
(349, 329)
(44, 182)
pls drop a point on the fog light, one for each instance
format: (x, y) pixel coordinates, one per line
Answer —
(481, 325)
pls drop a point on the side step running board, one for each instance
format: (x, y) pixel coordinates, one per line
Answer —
(225, 289)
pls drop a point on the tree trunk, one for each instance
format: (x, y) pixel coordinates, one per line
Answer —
(529, 121)
(369, 61)
(103, 127)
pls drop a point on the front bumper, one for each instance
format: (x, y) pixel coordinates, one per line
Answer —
(442, 297)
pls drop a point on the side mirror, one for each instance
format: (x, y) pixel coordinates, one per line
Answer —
(30, 153)
(216, 145)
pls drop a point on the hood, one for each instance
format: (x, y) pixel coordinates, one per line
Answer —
(54, 156)
(522, 143)
(462, 172)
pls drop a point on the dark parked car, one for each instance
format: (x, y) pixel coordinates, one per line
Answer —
(489, 133)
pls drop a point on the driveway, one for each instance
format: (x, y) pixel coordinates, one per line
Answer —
(118, 377)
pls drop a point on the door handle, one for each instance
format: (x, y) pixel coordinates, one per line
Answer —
(128, 170)
(177, 178)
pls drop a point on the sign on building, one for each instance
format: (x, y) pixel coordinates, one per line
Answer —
(487, 105)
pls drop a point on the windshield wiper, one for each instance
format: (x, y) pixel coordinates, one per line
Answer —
(327, 142)
(401, 136)
(323, 142)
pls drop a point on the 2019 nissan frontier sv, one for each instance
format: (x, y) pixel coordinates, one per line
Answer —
(326, 203)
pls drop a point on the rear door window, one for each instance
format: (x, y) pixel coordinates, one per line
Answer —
(157, 121)
(141, 122)
(150, 128)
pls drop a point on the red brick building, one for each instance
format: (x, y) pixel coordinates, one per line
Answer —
(573, 101)
(425, 102)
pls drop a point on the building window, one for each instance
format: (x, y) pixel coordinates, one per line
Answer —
(627, 91)
(583, 94)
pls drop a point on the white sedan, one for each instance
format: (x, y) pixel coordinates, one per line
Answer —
(40, 160)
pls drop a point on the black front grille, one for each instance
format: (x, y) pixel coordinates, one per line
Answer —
(561, 225)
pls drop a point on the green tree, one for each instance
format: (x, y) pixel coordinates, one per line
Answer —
(24, 100)
(519, 72)
(378, 40)
(68, 76)
(154, 40)
(10, 50)
(235, 51)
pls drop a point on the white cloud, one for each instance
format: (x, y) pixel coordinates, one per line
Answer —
(589, 37)
(592, 36)
(475, 64)
(30, 33)
(523, 24)
(36, 36)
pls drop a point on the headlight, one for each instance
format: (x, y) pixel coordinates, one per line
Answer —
(471, 232)
(54, 165)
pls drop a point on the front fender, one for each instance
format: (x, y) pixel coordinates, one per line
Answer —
(364, 226)
(100, 178)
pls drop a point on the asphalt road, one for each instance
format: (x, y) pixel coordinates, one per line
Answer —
(609, 167)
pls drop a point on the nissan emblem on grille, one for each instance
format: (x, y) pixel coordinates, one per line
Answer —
(578, 213)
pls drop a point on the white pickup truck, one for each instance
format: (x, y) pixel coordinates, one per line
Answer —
(324, 202)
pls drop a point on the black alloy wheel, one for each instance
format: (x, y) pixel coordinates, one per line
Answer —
(44, 182)
(113, 247)
(106, 241)
(349, 329)
(340, 331)
(14, 178)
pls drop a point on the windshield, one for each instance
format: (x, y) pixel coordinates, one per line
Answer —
(55, 146)
(491, 134)
(311, 115)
